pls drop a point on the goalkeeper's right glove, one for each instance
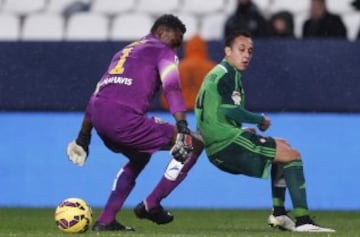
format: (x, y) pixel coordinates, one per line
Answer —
(183, 145)
(78, 150)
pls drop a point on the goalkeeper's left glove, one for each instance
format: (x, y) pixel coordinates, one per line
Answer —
(183, 145)
(78, 150)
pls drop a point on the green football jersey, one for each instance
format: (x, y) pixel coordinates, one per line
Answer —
(221, 88)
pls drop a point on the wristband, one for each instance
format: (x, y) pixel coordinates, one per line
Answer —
(182, 127)
(83, 139)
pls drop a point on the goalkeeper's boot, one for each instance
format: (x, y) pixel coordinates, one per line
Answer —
(112, 226)
(306, 224)
(283, 222)
(158, 215)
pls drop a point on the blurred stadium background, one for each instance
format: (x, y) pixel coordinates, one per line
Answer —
(69, 20)
(54, 51)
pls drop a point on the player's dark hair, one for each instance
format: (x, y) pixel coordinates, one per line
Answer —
(169, 21)
(229, 38)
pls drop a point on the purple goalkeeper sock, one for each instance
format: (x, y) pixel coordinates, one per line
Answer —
(166, 186)
(123, 184)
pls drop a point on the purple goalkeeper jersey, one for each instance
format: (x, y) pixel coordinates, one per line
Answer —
(118, 107)
(137, 72)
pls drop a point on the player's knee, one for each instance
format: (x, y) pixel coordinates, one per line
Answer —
(295, 155)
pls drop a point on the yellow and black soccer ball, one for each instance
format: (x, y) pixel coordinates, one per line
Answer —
(73, 215)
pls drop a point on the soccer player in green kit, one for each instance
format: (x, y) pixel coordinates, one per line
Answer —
(220, 112)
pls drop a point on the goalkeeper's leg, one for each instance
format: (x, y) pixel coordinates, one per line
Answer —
(123, 184)
(151, 208)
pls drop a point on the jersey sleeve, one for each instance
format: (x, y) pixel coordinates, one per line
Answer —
(170, 78)
(232, 104)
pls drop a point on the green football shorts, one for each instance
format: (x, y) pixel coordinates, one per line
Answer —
(249, 154)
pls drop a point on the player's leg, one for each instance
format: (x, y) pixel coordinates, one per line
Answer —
(151, 207)
(250, 155)
(278, 188)
(295, 181)
(122, 186)
(294, 176)
(279, 217)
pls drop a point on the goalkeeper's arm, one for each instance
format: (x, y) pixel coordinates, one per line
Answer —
(84, 136)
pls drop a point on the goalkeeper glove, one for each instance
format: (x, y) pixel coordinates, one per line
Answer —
(78, 150)
(183, 145)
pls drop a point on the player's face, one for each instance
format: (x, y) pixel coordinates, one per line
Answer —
(171, 37)
(240, 53)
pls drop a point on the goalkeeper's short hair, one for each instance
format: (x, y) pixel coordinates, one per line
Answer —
(168, 20)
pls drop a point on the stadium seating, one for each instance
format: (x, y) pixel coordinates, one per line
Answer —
(299, 20)
(263, 5)
(340, 6)
(112, 7)
(157, 7)
(59, 6)
(9, 27)
(295, 7)
(212, 26)
(230, 7)
(204, 17)
(191, 22)
(23, 7)
(130, 26)
(352, 22)
(201, 7)
(48, 27)
(87, 26)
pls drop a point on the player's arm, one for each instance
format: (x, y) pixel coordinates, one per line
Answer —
(241, 115)
(169, 75)
(233, 105)
(170, 78)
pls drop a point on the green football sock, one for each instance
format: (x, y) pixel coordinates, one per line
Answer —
(295, 181)
(278, 189)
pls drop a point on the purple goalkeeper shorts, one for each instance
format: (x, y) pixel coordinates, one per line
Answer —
(121, 129)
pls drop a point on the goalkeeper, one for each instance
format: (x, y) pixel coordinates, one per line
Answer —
(117, 110)
(220, 113)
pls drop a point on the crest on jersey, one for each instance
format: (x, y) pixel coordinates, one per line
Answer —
(262, 140)
(236, 97)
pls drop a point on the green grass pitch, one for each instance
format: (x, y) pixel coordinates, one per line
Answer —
(33, 222)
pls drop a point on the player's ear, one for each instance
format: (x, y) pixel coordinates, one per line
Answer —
(227, 51)
(159, 31)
